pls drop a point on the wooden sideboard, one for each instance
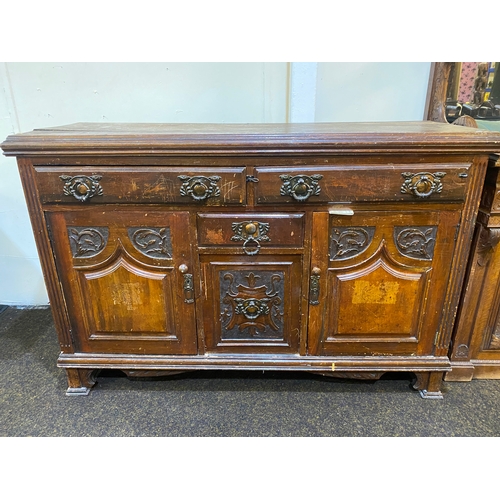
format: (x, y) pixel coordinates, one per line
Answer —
(475, 345)
(338, 249)
(475, 348)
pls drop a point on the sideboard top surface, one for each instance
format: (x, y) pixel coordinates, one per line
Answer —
(253, 139)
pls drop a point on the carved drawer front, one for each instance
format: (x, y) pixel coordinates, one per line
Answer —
(142, 184)
(251, 232)
(402, 182)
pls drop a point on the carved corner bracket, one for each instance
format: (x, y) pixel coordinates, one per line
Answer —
(488, 240)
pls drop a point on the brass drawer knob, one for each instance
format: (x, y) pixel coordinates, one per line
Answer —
(300, 187)
(422, 184)
(200, 187)
(82, 187)
(251, 228)
(251, 233)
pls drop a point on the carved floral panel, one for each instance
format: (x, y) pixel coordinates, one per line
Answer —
(416, 242)
(251, 304)
(87, 241)
(347, 242)
(152, 241)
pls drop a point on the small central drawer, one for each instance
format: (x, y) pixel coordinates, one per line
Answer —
(251, 231)
(319, 184)
(142, 184)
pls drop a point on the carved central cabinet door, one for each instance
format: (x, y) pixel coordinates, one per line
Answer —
(381, 281)
(252, 304)
(128, 279)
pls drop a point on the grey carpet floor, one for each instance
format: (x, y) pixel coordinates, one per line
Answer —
(220, 403)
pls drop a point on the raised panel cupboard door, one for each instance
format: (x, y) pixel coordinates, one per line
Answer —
(127, 277)
(380, 281)
(252, 304)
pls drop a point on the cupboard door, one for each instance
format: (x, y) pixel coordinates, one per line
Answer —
(378, 281)
(251, 304)
(127, 278)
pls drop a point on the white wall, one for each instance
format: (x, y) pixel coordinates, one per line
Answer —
(34, 95)
(371, 91)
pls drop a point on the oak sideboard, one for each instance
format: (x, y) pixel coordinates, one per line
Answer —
(332, 248)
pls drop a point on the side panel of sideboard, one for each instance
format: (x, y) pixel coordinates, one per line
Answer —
(475, 349)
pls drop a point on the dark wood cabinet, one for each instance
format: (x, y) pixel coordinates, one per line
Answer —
(475, 347)
(338, 249)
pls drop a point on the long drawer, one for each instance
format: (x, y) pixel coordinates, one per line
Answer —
(173, 185)
(313, 184)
